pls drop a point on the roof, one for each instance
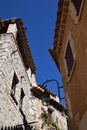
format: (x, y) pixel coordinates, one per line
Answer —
(39, 91)
(21, 41)
(63, 7)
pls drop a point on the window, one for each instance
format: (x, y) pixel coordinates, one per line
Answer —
(69, 58)
(77, 4)
(13, 88)
(45, 98)
(76, 7)
(21, 97)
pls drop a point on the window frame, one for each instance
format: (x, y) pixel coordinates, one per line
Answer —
(73, 11)
(69, 56)
(77, 8)
(72, 45)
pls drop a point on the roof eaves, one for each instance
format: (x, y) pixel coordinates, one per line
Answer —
(22, 41)
(40, 89)
(63, 8)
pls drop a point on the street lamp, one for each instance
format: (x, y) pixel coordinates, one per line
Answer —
(58, 87)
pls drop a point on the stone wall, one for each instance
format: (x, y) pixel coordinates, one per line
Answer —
(17, 104)
(37, 109)
(11, 63)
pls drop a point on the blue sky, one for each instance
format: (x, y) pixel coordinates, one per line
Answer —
(39, 16)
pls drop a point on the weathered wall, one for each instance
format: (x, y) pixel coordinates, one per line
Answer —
(10, 63)
(37, 108)
(8, 109)
(76, 85)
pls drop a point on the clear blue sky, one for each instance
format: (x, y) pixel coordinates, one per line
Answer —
(39, 16)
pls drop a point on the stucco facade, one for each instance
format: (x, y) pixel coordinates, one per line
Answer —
(70, 54)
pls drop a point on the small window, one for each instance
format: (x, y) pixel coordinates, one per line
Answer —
(13, 88)
(21, 97)
(45, 98)
(77, 5)
(69, 58)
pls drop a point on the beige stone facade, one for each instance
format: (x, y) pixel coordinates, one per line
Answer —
(47, 113)
(15, 74)
(70, 54)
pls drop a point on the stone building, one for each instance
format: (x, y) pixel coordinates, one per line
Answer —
(47, 112)
(70, 55)
(16, 69)
(22, 102)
